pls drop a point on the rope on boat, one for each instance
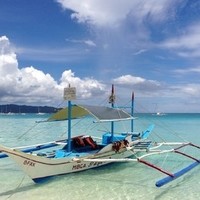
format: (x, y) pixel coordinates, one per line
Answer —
(22, 135)
(18, 186)
(171, 176)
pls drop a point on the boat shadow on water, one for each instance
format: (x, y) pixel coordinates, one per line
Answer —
(18, 189)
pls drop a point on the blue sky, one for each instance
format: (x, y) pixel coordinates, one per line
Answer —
(150, 47)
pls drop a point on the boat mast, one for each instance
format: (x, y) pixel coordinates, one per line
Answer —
(69, 94)
(112, 101)
(132, 112)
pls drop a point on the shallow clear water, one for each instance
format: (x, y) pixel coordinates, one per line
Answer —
(127, 181)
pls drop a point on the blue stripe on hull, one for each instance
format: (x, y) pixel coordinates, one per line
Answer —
(31, 149)
(42, 180)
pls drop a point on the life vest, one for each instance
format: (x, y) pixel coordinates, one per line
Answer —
(119, 145)
(90, 141)
(79, 141)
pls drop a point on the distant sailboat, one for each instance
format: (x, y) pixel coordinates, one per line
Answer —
(21, 112)
(9, 113)
(1, 110)
(157, 112)
(40, 113)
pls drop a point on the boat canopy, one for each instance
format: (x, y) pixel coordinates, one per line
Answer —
(62, 114)
(101, 113)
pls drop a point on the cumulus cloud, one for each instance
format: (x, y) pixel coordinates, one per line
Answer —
(110, 12)
(171, 98)
(88, 87)
(8, 61)
(139, 83)
(31, 86)
(27, 84)
(154, 87)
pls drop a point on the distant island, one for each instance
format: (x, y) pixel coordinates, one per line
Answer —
(13, 108)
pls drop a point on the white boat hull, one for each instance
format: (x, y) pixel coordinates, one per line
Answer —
(37, 167)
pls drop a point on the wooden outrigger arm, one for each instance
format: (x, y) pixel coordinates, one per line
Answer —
(156, 167)
(170, 176)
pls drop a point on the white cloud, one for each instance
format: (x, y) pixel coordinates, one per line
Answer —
(8, 61)
(31, 86)
(26, 84)
(87, 87)
(170, 98)
(112, 12)
(140, 52)
(90, 43)
(191, 91)
(188, 70)
(144, 85)
(189, 39)
(87, 42)
(154, 88)
(120, 25)
(187, 44)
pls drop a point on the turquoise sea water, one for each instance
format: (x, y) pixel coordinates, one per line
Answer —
(127, 181)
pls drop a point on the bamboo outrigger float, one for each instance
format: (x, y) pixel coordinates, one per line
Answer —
(82, 152)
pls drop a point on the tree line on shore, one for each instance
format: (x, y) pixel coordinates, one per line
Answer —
(13, 108)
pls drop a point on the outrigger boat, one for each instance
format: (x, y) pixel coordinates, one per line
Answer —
(84, 152)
